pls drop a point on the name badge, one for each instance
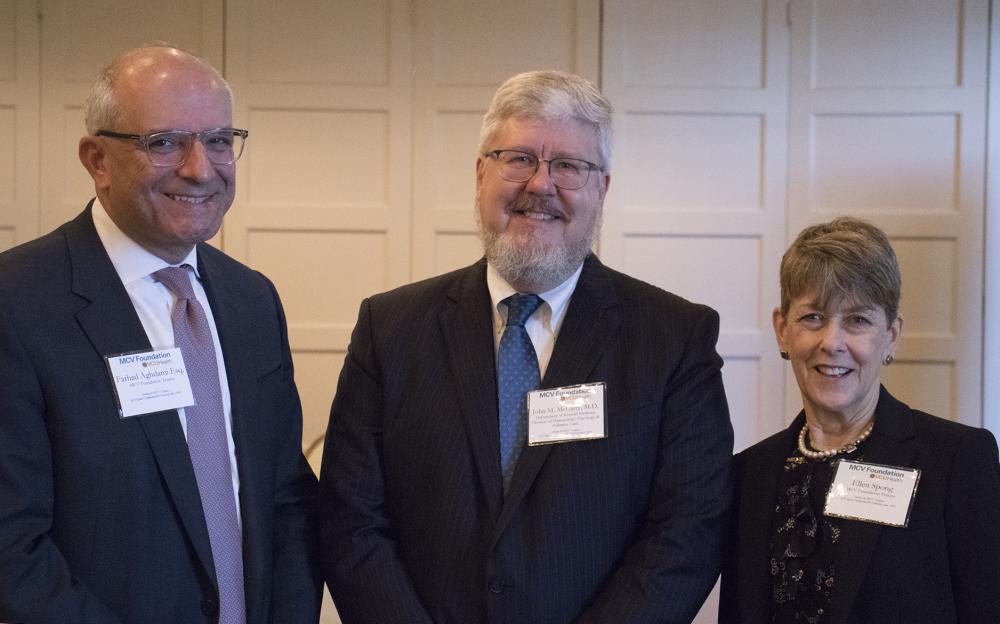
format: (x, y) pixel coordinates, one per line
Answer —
(872, 493)
(566, 414)
(150, 381)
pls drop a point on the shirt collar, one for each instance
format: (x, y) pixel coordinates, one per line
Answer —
(555, 301)
(131, 260)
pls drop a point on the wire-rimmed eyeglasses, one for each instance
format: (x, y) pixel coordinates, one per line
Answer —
(566, 173)
(170, 148)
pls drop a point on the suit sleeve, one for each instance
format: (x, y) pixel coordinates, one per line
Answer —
(667, 573)
(729, 612)
(298, 583)
(36, 584)
(364, 571)
(972, 516)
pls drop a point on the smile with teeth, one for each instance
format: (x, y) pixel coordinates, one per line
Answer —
(533, 214)
(190, 199)
(832, 371)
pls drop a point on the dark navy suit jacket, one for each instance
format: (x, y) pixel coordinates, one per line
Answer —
(623, 529)
(943, 568)
(100, 518)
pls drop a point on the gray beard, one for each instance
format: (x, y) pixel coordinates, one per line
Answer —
(534, 267)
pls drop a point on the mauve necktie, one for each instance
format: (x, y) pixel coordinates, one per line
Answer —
(517, 373)
(207, 442)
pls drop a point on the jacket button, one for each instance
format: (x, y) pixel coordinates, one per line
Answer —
(497, 585)
(209, 607)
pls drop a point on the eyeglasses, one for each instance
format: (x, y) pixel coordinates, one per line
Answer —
(170, 148)
(566, 173)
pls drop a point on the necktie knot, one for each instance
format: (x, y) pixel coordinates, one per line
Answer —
(176, 280)
(520, 308)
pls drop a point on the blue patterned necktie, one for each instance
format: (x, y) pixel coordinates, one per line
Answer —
(517, 373)
(208, 443)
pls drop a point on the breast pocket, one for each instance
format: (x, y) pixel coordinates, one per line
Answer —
(628, 452)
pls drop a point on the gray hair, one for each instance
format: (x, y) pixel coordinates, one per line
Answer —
(845, 259)
(101, 110)
(550, 96)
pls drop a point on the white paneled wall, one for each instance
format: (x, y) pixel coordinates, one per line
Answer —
(737, 124)
(325, 89)
(888, 122)
(19, 111)
(697, 199)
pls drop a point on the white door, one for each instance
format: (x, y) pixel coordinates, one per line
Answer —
(19, 97)
(324, 201)
(697, 198)
(888, 122)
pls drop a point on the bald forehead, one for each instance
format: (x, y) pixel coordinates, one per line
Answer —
(151, 67)
(159, 88)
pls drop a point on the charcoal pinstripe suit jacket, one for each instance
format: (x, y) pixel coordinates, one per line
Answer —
(625, 529)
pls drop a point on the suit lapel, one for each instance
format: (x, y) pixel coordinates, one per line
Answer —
(590, 324)
(107, 317)
(467, 328)
(111, 324)
(592, 319)
(890, 444)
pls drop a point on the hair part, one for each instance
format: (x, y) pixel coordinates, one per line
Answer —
(101, 110)
(551, 95)
(845, 260)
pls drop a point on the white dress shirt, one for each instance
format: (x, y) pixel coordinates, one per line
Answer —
(542, 326)
(154, 302)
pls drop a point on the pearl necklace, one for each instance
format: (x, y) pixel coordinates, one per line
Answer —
(850, 448)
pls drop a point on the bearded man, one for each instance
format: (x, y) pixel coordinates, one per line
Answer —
(536, 437)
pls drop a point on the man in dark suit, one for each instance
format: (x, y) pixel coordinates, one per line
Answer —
(433, 507)
(189, 511)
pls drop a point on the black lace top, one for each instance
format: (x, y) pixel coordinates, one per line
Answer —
(804, 542)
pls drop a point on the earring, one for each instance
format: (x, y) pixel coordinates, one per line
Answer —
(784, 355)
(888, 359)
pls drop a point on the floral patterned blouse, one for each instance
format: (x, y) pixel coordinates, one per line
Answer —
(804, 542)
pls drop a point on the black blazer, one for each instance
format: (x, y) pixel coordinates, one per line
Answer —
(624, 529)
(943, 568)
(100, 519)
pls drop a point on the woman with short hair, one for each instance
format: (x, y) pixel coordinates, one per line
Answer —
(864, 510)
